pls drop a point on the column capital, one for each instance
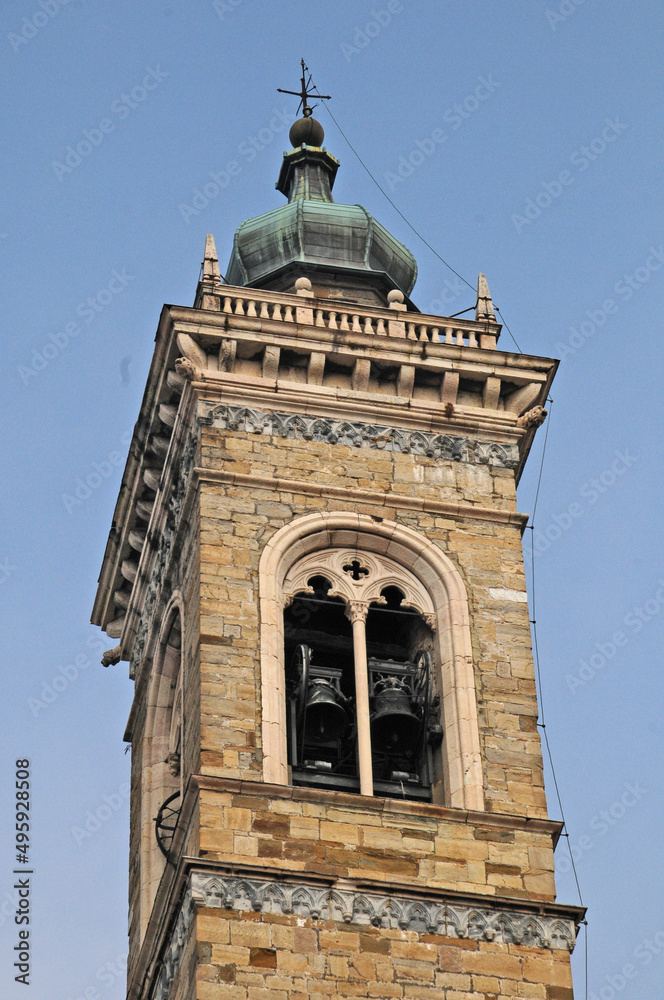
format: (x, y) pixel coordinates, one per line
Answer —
(356, 611)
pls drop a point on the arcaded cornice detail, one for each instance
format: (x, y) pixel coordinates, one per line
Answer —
(490, 922)
(354, 906)
(351, 433)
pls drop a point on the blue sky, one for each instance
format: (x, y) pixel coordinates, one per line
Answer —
(523, 140)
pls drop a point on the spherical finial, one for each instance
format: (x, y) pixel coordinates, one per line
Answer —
(395, 295)
(306, 130)
(303, 285)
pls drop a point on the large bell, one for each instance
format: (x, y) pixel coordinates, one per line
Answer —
(395, 728)
(326, 718)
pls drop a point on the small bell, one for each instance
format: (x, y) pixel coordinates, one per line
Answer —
(326, 718)
(395, 728)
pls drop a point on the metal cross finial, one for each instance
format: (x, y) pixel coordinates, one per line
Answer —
(305, 92)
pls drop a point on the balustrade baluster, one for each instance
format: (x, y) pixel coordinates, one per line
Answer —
(343, 323)
(239, 307)
(265, 312)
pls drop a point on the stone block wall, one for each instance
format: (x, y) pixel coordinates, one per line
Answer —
(247, 957)
(342, 836)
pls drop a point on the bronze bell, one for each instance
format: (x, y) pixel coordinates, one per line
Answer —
(326, 718)
(395, 728)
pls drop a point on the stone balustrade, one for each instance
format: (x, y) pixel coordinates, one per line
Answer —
(394, 321)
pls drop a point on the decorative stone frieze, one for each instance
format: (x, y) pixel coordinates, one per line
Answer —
(293, 425)
(352, 906)
(348, 905)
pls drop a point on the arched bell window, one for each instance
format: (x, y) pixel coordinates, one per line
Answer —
(362, 705)
(432, 587)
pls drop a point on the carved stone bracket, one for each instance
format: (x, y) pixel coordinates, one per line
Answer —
(533, 418)
(441, 446)
(187, 369)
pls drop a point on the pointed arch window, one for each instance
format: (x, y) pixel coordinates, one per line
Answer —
(458, 779)
(362, 704)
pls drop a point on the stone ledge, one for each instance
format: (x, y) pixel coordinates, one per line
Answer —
(374, 804)
(396, 500)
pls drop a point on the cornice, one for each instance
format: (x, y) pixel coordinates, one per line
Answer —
(375, 804)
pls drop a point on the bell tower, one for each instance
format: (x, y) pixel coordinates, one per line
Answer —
(315, 574)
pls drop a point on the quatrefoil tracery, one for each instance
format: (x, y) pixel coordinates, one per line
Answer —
(358, 578)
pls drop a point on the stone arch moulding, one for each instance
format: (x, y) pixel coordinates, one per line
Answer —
(445, 587)
(156, 781)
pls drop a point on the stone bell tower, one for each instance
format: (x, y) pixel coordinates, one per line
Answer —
(315, 573)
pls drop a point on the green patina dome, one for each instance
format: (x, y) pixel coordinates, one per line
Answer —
(312, 233)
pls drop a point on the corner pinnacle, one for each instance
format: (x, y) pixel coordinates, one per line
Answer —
(484, 304)
(210, 269)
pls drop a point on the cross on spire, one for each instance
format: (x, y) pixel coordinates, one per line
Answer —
(305, 92)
